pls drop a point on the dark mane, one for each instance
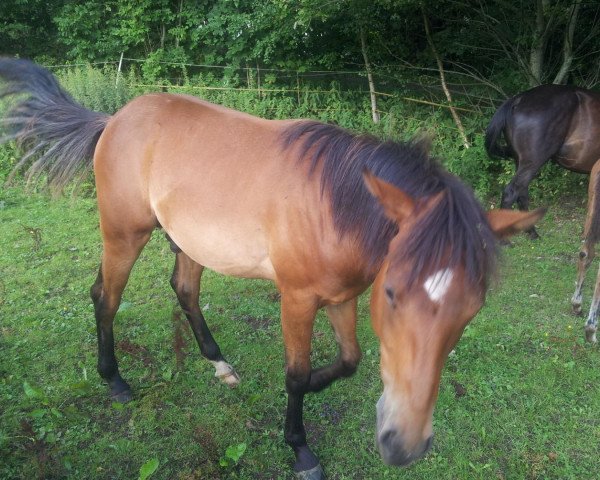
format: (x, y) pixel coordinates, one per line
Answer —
(457, 227)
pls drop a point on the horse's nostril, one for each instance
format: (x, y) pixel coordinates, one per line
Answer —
(387, 437)
(393, 451)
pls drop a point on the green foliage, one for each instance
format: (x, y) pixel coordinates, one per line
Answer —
(148, 468)
(96, 89)
(8, 160)
(232, 456)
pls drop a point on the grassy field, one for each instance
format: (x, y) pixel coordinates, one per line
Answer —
(520, 397)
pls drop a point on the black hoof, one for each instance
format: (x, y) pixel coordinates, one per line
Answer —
(120, 391)
(533, 235)
(315, 473)
(122, 397)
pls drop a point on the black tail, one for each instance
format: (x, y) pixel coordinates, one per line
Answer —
(57, 135)
(495, 130)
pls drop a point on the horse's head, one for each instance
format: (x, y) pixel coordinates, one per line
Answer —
(420, 319)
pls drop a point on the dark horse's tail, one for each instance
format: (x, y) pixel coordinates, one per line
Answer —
(58, 136)
(495, 130)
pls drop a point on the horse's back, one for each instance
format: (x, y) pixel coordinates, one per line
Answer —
(557, 121)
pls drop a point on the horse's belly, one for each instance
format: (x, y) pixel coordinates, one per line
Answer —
(578, 155)
(225, 250)
(229, 243)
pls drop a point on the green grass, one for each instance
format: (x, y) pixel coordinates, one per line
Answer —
(518, 399)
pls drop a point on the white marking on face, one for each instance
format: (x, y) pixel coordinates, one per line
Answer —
(438, 284)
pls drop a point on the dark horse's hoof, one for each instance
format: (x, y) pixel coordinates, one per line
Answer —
(532, 234)
(122, 397)
(315, 473)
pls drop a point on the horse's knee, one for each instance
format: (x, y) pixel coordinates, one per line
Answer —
(96, 289)
(585, 258)
(96, 292)
(297, 381)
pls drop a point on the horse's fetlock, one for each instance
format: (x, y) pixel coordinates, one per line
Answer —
(295, 439)
(107, 370)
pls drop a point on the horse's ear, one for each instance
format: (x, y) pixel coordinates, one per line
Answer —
(397, 204)
(506, 223)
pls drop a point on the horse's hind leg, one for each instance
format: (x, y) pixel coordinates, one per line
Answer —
(120, 252)
(523, 203)
(528, 162)
(518, 188)
(186, 283)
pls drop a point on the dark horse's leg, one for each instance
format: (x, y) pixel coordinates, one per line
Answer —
(517, 191)
(297, 316)
(186, 283)
(120, 252)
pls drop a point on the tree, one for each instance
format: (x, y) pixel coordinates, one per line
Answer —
(27, 29)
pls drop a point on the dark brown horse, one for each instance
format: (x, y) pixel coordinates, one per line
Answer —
(320, 211)
(555, 122)
(561, 123)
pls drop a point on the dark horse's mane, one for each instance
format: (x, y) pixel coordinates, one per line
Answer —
(456, 228)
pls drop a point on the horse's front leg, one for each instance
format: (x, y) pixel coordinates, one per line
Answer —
(591, 324)
(343, 321)
(590, 237)
(586, 255)
(300, 379)
(297, 318)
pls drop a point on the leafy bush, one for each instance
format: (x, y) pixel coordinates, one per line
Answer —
(98, 89)
(8, 160)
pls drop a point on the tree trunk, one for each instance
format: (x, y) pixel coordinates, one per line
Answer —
(568, 44)
(538, 45)
(178, 23)
(363, 45)
(459, 125)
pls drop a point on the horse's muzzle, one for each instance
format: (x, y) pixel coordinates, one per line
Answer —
(392, 450)
(391, 444)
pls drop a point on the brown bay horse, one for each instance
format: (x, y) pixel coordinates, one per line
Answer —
(561, 123)
(321, 212)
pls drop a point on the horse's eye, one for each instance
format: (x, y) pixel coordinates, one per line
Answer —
(389, 293)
